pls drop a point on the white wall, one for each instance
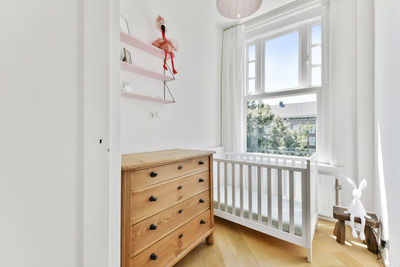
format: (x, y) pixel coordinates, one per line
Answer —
(194, 120)
(59, 186)
(387, 95)
(41, 164)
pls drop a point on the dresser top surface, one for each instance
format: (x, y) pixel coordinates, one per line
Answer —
(138, 161)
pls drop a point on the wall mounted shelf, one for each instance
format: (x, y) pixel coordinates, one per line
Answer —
(145, 72)
(147, 98)
(149, 48)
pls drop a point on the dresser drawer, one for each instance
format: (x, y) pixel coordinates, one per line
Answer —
(160, 174)
(148, 201)
(150, 230)
(167, 249)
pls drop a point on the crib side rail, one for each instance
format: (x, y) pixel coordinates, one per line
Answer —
(271, 159)
(255, 194)
(262, 165)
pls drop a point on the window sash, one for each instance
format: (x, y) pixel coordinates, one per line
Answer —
(283, 93)
(305, 54)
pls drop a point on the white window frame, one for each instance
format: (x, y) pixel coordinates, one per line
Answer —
(305, 67)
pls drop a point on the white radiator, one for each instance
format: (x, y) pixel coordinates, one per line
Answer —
(327, 194)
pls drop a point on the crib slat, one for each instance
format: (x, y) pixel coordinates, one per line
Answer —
(269, 197)
(226, 186)
(250, 169)
(241, 190)
(233, 189)
(259, 197)
(219, 184)
(285, 181)
(304, 203)
(280, 199)
(291, 203)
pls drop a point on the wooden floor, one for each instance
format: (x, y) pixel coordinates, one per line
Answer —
(239, 246)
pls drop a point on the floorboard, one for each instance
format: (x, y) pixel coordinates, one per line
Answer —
(236, 245)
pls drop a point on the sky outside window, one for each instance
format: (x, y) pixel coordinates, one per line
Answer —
(316, 55)
(282, 62)
(316, 34)
(252, 53)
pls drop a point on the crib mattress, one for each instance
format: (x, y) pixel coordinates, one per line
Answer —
(264, 208)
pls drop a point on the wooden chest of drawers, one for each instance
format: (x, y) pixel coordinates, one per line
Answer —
(166, 206)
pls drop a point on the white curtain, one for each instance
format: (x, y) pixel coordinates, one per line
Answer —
(232, 89)
(347, 101)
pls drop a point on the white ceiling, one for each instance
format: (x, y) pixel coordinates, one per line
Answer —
(267, 5)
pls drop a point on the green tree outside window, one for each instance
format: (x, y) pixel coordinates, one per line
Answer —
(269, 133)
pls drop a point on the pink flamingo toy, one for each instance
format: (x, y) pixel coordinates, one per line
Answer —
(165, 44)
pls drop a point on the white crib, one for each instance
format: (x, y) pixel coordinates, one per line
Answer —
(273, 194)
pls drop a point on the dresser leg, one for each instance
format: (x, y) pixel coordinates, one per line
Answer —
(210, 239)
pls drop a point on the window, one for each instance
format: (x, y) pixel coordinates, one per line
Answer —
(283, 82)
(312, 131)
(311, 141)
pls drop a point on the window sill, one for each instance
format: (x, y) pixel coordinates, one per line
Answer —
(329, 169)
(283, 93)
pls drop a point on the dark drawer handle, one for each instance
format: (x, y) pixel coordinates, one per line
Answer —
(179, 167)
(153, 198)
(201, 162)
(153, 256)
(179, 187)
(153, 174)
(201, 180)
(180, 236)
(201, 200)
(202, 222)
(153, 227)
(180, 211)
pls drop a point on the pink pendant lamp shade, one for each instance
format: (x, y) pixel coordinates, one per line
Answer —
(237, 9)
